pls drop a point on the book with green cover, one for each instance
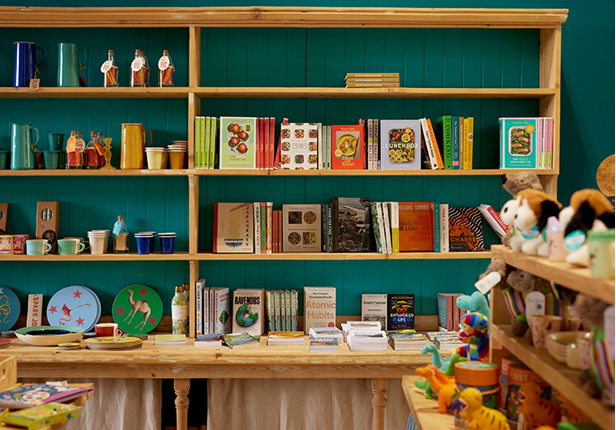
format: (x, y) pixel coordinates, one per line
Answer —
(444, 135)
(214, 132)
(205, 143)
(42, 416)
(241, 340)
(455, 134)
(294, 310)
(197, 140)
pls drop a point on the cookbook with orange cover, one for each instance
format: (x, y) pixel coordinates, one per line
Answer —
(348, 147)
(416, 226)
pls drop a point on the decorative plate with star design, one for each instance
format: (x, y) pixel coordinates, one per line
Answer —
(9, 308)
(137, 309)
(75, 306)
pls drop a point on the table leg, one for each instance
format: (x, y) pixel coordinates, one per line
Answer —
(182, 386)
(379, 387)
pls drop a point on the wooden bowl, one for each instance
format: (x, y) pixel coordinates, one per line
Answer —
(557, 343)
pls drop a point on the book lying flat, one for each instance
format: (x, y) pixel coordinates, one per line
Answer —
(31, 395)
(209, 340)
(42, 416)
(241, 340)
(170, 339)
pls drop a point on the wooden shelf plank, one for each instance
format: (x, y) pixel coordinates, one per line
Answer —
(86, 172)
(422, 172)
(560, 272)
(274, 92)
(305, 17)
(181, 256)
(349, 93)
(561, 377)
(94, 92)
(424, 411)
(346, 256)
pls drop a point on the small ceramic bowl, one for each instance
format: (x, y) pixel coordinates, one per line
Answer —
(557, 344)
(49, 336)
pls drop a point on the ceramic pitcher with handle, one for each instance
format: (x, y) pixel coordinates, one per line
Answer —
(133, 144)
(22, 149)
(25, 63)
(68, 64)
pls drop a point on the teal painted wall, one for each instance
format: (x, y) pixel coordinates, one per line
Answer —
(298, 57)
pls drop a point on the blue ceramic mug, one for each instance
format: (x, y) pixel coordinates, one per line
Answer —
(22, 148)
(25, 63)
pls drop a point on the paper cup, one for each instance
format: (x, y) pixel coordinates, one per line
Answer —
(541, 326)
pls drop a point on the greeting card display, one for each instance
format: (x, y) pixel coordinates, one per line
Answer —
(10, 308)
(75, 306)
(137, 309)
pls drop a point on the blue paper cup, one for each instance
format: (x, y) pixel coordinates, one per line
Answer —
(167, 242)
(144, 244)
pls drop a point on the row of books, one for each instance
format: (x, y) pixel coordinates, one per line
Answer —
(349, 225)
(449, 314)
(526, 143)
(445, 340)
(207, 130)
(455, 135)
(374, 80)
(281, 308)
(212, 309)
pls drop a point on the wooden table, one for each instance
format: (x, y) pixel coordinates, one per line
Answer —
(425, 411)
(79, 401)
(158, 362)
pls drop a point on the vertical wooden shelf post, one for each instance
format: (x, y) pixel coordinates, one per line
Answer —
(549, 77)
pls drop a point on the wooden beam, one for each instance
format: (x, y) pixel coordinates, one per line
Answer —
(194, 56)
(192, 312)
(306, 17)
(193, 215)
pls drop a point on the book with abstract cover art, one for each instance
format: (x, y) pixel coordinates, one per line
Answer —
(233, 228)
(299, 146)
(348, 147)
(416, 226)
(465, 230)
(400, 311)
(248, 307)
(351, 224)
(31, 395)
(400, 144)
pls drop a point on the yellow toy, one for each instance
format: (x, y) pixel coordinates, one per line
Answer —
(537, 411)
(478, 417)
(443, 385)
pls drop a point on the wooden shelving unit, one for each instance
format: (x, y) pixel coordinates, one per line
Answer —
(425, 411)
(558, 375)
(577, 279)
(548, 21)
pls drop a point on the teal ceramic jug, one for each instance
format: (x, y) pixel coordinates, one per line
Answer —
(22, 149)
(68, 64)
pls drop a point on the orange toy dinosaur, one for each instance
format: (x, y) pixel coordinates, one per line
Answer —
(441, 384)
(536, 409)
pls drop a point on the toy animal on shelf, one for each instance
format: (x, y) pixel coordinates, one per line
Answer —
(476, 415)
(445, 365)
(588, 210)
(572, 412)
(531, 218)
(537, 410)
(476, 302)
(474, 332)
(443, 385)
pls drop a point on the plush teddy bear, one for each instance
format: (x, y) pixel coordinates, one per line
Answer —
(588, 210)
(531, 217)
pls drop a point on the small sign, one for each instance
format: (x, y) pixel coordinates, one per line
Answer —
(535, 304)
(34, 84)
(489, 282)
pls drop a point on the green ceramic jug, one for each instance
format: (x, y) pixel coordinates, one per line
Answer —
(22, 155)
(68, 64)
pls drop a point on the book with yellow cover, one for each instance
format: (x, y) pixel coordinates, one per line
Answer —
(42, 416)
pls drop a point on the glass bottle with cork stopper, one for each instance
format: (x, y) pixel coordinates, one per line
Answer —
(100, 149)
(110, 71)
(165, 70)
(120, 236)
(75, 145)
(137, 70)
(179, 312)
(92, 156)
(146, 65)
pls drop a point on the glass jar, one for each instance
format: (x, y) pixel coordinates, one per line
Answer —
(120, 236)
(146, 65)
(75, 147)
(101, 150)
(110, 71)
(91, 155)
(165, 70)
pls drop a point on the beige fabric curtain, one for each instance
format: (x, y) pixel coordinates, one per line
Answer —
(298, 404)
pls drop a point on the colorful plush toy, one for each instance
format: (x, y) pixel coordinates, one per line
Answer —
(474, 332)
(476, 415)
(588, 210)
(531, 217)
(537, 410)
(476, 302)
(444, 386)
(444, 365)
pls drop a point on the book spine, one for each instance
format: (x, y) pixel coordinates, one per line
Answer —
(275, 233)
(324, 227)
(549, 143)
(271, 123)
(444, 210)
(395, 228)
(455, 136)
(289, 316)
(502, 145)
(271, 325)
(294, 309)
(319, 145)
(215, 244)
(387, 227)
(427, 145)
(381, 227)
(258, 145)
(277, 311)
(263, 229)
(204, 142)
(494, 219)
(540, 144)
(216, 307)
(257, 226)
(283, 310)
(335, 224)
(378, 232)
(434, 143)
(215, 124)
(277, 157)
(448, 143)
(462, 149)
(456, 312)
(470, 136)
(370, 141)
(199, 308)
(441, 301)
(206, 310)
(436, 214)
(449, 313)
(372, 75)
(467, 150)
(197, 140)
(270, 207)
(330, 234)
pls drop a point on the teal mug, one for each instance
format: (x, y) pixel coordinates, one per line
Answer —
(70, 247)
(22, 148)
(68, 64)
(56, 141)
(37, 247)
(51, 159)
(4, 156)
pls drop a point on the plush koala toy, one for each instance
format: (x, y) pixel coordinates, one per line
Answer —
(531, 217)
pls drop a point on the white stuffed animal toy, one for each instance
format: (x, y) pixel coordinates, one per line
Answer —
(535, 207)
(507, 215)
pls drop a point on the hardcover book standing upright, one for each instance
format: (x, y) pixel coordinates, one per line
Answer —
(301, 228)
(518, 143)
(351, 224)
(319, 307)
(299, 146)
(400, 144)
(400, 311)
(238, 143)
(248, 313)
(233, 230)
(374, 308)
(348, 147)
(465, 230)
(416, 229)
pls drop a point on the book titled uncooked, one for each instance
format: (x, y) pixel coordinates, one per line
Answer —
(319, 307)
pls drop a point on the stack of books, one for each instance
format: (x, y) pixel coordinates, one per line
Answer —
(170, 339)
(447, 342)
(449, 314)
(276, 338)
(241, 340)
(367, 340)
(323, 344)
(325, 333)
(281, 309)
(350, 326)
(372, 80)
(431, 335)
(209, 340)
(401, 341)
